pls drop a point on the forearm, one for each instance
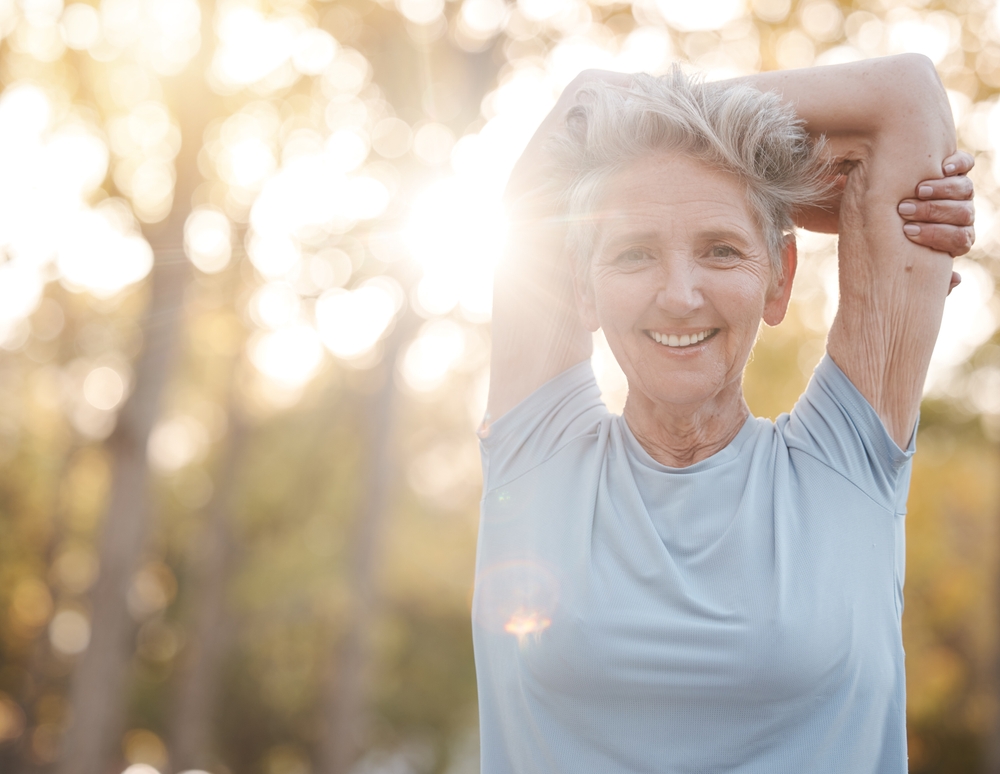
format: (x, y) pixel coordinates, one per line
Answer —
(892, 291)
(536, 329)
(856, 106)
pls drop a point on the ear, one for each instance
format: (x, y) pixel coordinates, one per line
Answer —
(780, 291)
(583, 289)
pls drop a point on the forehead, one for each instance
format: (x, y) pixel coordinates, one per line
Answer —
(674, 196)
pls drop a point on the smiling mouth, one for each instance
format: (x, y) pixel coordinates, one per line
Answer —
(679, 342)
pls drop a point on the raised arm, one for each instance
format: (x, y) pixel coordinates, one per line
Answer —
(536, 331)
(888, 120)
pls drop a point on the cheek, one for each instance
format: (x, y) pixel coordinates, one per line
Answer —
(743, 299)
(618, 300)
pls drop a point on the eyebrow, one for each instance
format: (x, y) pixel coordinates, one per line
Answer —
(612, 239)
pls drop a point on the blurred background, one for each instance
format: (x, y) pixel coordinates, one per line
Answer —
(244, 332)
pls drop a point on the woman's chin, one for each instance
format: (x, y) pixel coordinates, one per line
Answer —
(682, 392)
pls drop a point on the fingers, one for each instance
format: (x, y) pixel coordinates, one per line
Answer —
(956, 187)
(954, 240)
(948, 212)
(956, 280)
(958, 163)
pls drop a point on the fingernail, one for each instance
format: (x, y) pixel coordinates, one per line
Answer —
(911, 229)
(949, 169)
(924, 191)
(907, 208)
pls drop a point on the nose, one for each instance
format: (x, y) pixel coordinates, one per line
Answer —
(679, 293)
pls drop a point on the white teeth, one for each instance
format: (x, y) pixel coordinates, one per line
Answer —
(672, 340)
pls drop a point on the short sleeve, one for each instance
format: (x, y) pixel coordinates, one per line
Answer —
(834, 423)
(561, 410)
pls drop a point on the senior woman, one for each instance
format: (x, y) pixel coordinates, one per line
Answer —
(686, 588)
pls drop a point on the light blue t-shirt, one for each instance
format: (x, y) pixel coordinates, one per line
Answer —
(738, 615)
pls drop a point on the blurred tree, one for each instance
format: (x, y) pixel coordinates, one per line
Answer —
(98, 697)
(346, 718)
(324, 150)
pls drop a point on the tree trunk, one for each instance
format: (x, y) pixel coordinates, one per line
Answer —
(98, 695)
(345, 712)
(198, 690)
(991, 744)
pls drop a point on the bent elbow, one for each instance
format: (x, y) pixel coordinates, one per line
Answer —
(920, 90)
(913, 106)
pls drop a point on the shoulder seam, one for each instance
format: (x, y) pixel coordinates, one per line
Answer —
(552, 454)
(890, 510)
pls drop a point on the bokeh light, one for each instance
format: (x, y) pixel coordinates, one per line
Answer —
(350, 322)
(103, 388)
(176, 442)
(50, 171)
(457, 235)
(289, 355)
(432, 354)
(69, 632)
(97, 254)
(345, 178)
(968, 321)
(207, 239)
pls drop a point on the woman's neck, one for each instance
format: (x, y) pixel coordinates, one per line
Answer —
(679, 436)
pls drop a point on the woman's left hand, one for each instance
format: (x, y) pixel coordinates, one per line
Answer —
(942, 215)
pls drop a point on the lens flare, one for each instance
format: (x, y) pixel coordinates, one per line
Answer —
(517, 597)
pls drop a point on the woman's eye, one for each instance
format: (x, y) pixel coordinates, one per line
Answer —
(633, 256)
(724, 251)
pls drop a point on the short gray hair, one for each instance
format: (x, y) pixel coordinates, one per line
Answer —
(731, 127)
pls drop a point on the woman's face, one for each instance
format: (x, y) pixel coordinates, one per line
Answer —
(680, 280)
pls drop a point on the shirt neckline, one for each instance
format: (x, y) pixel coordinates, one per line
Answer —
(726, 454)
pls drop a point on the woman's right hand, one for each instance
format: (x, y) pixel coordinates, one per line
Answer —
(529, 173)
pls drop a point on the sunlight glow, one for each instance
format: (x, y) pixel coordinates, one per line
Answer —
(80, 26)
(20, 292)
(968, 321)
(313, 190)
(432, 354)
(246, 163)
(274, 305)
(701, 15)
(176, 442)
(103, 388)
(165, 34)
(432, 143)
(457, 235)
(350, 322)
(48, 174)
(933, 34)
(146, 140)
(610, 377)
(252, 46)
(207, 236)
(483, 18)
(314, 51)
(421, 11)
(289, 356)
(97, 256)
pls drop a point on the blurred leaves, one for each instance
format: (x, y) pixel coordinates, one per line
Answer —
(353, 173)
